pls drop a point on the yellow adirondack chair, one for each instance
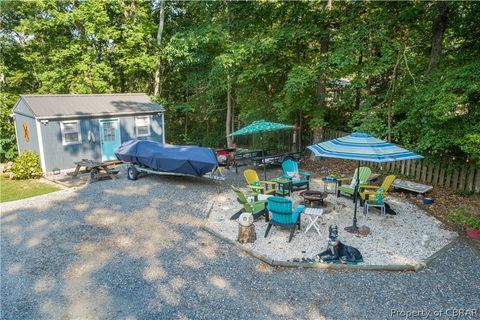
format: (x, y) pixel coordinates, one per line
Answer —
(369, 191)
(256, 185)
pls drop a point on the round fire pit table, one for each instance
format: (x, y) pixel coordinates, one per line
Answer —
(311, 196)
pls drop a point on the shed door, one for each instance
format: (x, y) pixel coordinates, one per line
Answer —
(109, 138)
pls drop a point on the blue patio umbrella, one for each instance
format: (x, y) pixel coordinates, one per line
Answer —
(361, 147)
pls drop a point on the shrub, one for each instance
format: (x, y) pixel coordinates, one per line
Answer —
(460, 215)
(26, 166)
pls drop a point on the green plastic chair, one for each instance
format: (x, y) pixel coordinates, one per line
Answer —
(283, 215)
(256, 208)
(290, 169)
(365, 173)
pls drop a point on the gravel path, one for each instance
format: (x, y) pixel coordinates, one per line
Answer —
(133, 250)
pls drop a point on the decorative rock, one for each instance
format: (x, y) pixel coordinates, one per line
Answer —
(425, 240)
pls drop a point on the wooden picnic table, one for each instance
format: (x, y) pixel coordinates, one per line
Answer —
(411, 186)
(97, 169)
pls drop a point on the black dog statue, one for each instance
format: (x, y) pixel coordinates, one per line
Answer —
(337, 251)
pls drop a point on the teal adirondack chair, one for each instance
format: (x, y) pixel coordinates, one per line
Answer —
(282, 214)
(256, 208)
(300, 179)
(349, 189)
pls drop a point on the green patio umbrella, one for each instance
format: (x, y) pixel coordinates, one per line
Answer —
(259, 127)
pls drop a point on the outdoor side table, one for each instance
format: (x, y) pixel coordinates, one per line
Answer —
(313, 214)
(327, 183)
(370, 203)
(284, 186)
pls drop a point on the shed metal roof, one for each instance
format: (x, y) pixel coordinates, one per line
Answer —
(54, 106)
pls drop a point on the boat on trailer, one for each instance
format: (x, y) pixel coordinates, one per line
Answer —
(165, 159)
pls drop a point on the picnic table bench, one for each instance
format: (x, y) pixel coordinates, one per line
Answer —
(411, 186)
(97, 169)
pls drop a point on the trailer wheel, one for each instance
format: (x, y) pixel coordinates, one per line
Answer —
(132, 173)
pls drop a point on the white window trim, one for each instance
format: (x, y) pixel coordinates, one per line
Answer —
(148, 126)
(63, 133)
(43, 164)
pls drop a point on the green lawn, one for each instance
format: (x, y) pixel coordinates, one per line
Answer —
(20, 189)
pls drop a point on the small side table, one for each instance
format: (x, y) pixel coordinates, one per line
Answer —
(284, 186)
(327, 182)
(313, 214)
(371, 203)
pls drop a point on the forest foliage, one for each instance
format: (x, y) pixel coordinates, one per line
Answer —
(405, 71)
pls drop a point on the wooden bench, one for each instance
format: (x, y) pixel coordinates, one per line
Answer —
(411, 186)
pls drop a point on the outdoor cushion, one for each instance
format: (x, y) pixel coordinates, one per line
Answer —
(364, 174)
(298, 178)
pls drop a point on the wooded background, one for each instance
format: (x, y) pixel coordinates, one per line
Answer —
(405, 71)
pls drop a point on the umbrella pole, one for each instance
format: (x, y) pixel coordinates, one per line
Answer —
(263, 160)
(354, 228)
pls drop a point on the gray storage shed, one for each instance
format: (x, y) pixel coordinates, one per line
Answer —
(63, 129)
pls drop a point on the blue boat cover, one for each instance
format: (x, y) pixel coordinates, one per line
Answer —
(191, 160)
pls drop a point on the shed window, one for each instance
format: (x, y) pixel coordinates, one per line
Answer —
(142, 126)
(71, 132)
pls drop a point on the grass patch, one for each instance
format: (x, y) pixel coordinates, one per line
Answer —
(11, 190)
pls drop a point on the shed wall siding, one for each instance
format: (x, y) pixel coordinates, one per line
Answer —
(22, 108)
(58, 156)
(127, 125)
(23, 144)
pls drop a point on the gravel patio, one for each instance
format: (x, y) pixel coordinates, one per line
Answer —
(134, 250)
(407, 238)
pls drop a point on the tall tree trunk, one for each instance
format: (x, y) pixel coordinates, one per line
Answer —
(228, 122)
(233, 112)
(158, 70)
(389, 126)
(322, 80)
(438, 30)
(300, 130)
(357, 90)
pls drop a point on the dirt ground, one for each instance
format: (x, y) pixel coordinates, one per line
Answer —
(446, 200)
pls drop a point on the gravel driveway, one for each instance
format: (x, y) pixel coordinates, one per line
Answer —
(133, 250)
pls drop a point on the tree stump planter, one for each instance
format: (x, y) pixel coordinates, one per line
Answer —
(246, 234)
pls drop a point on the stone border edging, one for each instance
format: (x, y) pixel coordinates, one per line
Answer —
(321, 266)
(423, 264)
